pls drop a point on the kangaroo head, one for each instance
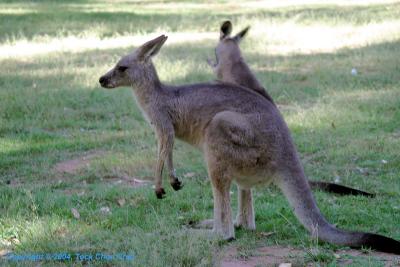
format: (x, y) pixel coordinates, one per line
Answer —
(227, 50)
(136, 68)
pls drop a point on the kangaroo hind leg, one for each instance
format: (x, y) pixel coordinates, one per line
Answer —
(223, 223)
(245, 213)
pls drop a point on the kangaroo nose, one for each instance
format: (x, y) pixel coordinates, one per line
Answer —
(102, 79)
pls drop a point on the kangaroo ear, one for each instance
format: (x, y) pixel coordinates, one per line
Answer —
(151, 48)
(238, 37)
(226, 29)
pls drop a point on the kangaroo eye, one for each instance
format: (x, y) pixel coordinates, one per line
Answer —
(122, 68)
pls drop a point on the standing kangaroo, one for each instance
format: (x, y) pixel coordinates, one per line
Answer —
(243, 138)
(230, 67)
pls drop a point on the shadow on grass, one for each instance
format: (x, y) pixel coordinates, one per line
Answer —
(62, 18)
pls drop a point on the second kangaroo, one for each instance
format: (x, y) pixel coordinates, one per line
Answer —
(231, 67)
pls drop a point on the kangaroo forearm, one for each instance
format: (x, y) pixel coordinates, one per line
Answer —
(158, 174)
(165, 145)
(164, 150)
(166, 138)
(173, 179)
(170, 164)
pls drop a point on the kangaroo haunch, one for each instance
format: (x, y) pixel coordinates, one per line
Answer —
(243, 138)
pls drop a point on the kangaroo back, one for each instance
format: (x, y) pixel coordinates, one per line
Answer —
(230, 66)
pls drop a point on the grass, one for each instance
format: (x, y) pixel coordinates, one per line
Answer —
(52, 109)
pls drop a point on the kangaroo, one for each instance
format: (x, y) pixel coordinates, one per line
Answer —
(244, 139)
(231, 67)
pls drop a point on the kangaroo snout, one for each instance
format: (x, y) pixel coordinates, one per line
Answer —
(106, 82)
(103, 81)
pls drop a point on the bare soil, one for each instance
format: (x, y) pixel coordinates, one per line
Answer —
(77, 164)
(279, 256)
(73, 166)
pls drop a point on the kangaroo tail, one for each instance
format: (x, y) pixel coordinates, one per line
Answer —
(338, 189)
(298, 192)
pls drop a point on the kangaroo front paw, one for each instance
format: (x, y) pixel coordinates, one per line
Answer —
(160, 193)
(176, 184)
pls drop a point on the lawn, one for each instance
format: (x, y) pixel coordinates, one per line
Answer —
(53, 112)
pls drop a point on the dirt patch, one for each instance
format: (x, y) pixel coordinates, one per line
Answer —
(73, 166)
(265, 256)
(386, 258)
(278, 256)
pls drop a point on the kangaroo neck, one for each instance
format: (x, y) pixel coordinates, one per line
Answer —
(148, 89)
(243, 76)
(147, 93)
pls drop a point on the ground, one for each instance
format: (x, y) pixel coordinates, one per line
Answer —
(76, 160)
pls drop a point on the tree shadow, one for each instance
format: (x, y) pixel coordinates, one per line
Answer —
(60, 19)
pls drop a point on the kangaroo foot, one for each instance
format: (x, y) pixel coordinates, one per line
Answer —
(209, 224)
(208, 227)
(160, 193)
(225, 236)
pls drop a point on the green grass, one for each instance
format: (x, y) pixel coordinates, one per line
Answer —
(52, 109)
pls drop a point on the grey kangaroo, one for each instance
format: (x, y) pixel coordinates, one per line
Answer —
(230, 67)
(243, 138)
